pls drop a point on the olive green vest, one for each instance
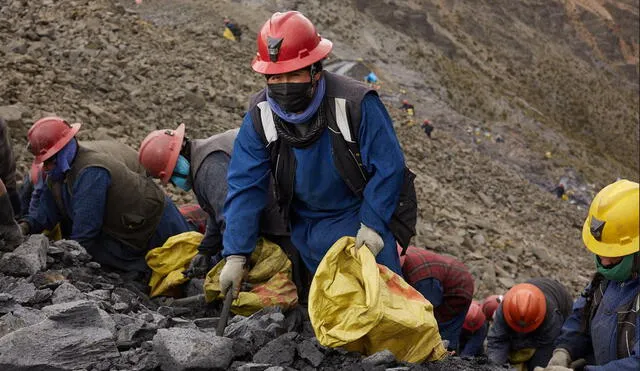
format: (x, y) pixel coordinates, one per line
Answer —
(119, 151)
(201, 148)
(134, 202)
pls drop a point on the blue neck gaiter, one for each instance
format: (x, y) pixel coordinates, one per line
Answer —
(303, 117)
(181, 177)
(64, 158)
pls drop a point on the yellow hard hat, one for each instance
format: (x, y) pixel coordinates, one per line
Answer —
(611, 228)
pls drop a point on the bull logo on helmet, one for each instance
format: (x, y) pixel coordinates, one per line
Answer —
(273, 46)
(596, 228)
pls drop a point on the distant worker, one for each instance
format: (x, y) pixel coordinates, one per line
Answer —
(408, 107)
(605, 324)
(233, 28)
(10, 236)
(117, 214)
(8, 168)
(445, 282)
(561, 188)
(474, 332)
(201, 165)
(371, 78)
(527, 323)
(427, 127)
(490, 304)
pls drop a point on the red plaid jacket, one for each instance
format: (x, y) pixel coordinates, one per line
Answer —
(454, 276)
(195, 216)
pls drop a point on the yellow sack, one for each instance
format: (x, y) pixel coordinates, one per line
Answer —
(269, 278)
(170, 260)
(365, 307)
(227, 34)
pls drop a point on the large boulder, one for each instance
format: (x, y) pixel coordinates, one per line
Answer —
(27, 259)
(189, 349)
(74, 336)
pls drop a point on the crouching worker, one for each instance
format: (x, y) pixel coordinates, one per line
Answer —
(527, 323)
(201, 165)
(445, 282)
(605, 324)
(117, 214)
(474, 332)
(10, 236)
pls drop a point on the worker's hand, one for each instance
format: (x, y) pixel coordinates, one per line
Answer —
(10, 236)
(369, 237)
(200, 265)
(561, 357)
(232, 274)
(24, 228)
(552, 368)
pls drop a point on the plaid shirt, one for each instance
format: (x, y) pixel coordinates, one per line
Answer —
(457, 282)
(195, 216)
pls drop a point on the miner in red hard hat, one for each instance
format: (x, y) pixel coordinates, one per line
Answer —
(99, 194)
(330, 144)
(474, 332)
(527, 323)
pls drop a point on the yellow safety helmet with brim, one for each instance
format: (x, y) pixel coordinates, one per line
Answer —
(611, 228)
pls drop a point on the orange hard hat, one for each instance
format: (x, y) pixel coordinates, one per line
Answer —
(48, 136)
(474, 319)
(404, 101)
(159, 152)
(288, 42)
(524, 307)
(490, 304)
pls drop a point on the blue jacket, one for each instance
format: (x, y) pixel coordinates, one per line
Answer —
(600, 341)
(86, 210)
(323, 209)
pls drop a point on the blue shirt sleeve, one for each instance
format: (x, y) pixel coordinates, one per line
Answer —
(431, 289)
(88, 203)
(384, 161)
(572, 338)
(45, 213)
(248, 185)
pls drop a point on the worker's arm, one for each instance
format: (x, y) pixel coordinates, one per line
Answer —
(383, 160)
(45, 214)
(572, 337)
(498, 344)
(248, 184)
(89, 201)
(473, 347)
(211, 187)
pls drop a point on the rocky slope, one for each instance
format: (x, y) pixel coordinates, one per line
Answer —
(546, 76)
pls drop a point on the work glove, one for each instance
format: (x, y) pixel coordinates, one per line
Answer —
(232, 274)
(560, 361)
(200, 265)
(552, 368)
(369, 237)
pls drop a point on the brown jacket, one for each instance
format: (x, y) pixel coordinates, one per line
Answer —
(7, 161)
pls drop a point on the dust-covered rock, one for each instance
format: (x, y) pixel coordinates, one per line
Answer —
(186, 349)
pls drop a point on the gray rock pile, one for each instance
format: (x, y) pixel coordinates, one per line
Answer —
(61, 311)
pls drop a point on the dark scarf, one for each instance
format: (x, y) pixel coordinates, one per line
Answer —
(317, 125)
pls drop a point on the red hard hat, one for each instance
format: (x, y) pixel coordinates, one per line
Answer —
(288, 42)
(490, 304)
(48, 136)
(159, 152)
(474, 319)
(404, 101)
(524, 307)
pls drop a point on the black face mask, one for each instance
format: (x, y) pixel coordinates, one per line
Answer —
(292, 97)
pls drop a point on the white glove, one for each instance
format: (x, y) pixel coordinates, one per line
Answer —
(561, 357)
(552, 368)
(369, 237)
(232, 274)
